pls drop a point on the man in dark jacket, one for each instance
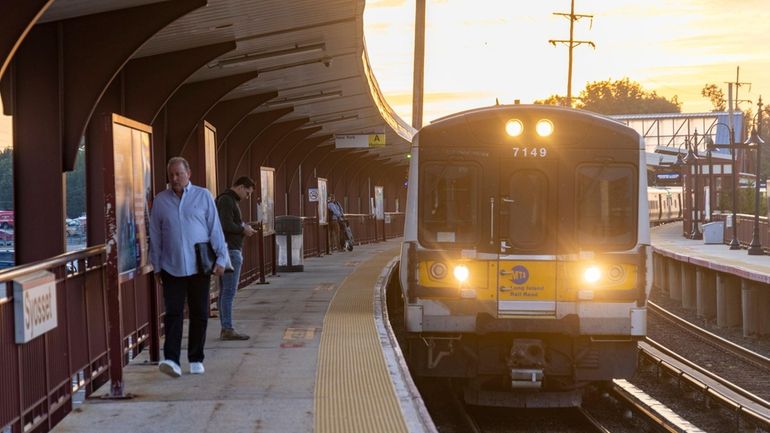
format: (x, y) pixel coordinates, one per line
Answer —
(235, 229)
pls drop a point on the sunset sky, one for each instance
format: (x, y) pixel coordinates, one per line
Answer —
(479, 50)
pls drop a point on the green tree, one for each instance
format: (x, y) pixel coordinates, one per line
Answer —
(553, 100)
(619, 97)
(716, 96)
(76, 186)
(625, 97)
(6, 179)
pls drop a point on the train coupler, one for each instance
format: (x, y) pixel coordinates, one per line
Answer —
(526, 361)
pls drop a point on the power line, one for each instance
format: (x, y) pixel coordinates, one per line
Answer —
(571, 43)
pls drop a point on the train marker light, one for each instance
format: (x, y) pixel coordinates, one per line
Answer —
(514, 127)
(544, 127)
(592, 274)
(438, 271)
(461, 273)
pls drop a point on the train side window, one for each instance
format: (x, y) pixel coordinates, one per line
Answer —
(607, 207)
(528, 217)
(449, 194)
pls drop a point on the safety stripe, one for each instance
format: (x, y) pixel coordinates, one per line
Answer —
(353, 391)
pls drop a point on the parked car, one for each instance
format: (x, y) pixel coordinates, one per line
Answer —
(6, 219)
(72, 227)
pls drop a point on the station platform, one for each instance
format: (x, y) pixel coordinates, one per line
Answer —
(320, 359)
(667, 239)
(729, 286)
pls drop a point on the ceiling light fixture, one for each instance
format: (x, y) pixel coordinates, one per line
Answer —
(333, 119)
(251, 57)
(322, 95)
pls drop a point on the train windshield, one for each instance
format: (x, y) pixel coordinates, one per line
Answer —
(606, 206)
(449, 213)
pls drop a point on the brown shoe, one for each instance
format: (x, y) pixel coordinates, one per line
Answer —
(230, 334)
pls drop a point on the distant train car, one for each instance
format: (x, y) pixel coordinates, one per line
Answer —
(665, 204)
(525, 267)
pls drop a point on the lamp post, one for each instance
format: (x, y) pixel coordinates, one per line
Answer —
(712, 189)
(734, 244)
(692, 163)
(755, 248)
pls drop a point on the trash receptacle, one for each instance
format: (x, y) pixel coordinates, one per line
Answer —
(714, 232)
(288, 238)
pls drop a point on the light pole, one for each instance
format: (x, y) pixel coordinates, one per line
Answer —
(755, 248)
(692, 163)
(734, 244)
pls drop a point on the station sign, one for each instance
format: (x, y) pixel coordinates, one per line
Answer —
(34, 304)
(668, 176)
(348, 141)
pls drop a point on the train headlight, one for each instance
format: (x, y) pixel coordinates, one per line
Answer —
(461, 273)
(514, 127)
(544, 127)
(592, 274)
(438, 271)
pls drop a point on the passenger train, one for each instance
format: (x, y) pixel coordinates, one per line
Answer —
(665, 204)
(526, 261)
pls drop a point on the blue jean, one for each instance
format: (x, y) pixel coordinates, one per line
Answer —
(228, 285)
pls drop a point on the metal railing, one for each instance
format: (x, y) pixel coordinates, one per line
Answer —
(39, 378)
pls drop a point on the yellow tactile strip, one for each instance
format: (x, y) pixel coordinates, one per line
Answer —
(353, 390)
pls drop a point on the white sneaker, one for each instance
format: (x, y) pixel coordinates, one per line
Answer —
(170, 368)
(197, 368)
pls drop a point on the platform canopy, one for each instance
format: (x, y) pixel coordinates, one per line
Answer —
(308, 55)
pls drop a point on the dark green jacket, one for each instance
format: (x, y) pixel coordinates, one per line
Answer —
(230, 217)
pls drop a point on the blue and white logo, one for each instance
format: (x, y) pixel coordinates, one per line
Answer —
(520, 274)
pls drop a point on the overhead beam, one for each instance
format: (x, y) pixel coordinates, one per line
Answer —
(150, 81)
(226, 115)
(190, 104)
(94, 48)
(19, 16)
(240, 140)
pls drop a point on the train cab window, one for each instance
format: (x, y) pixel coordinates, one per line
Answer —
(606, 204)
(449, 197)
(527, 210)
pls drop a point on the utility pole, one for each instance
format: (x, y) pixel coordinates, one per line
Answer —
(571, 43)
(419, 64)
(737, 84)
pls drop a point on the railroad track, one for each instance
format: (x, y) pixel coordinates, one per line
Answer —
(724, 372)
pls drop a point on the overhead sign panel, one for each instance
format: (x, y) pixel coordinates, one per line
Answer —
(347, 141)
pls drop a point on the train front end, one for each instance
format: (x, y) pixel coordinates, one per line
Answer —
(525, 263)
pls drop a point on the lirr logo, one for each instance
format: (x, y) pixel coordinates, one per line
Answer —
(520, 274)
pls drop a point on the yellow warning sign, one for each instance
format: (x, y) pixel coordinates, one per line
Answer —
(376, 140)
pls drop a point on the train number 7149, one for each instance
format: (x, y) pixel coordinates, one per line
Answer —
(530, 152)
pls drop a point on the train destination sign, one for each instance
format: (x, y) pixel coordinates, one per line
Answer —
(34, 304)
(345, 141)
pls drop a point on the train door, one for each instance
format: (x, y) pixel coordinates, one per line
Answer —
(527, 225)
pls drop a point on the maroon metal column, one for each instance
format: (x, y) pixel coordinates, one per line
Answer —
(37, 164)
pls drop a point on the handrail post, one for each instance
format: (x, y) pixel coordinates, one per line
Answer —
(154, 322)
(261, 253)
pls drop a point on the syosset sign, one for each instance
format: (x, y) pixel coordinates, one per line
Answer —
(34, 298)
